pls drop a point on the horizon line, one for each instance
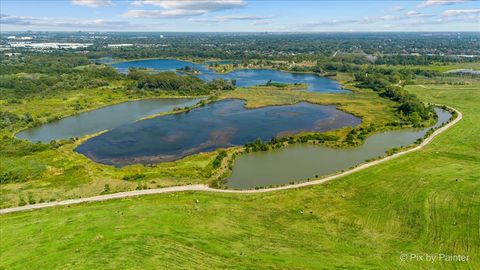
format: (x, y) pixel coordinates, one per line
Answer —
(223, 32)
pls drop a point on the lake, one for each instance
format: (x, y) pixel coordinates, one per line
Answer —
(113, 116)
(102, 119)
(301, 161)
(243, 77)
(220, 124)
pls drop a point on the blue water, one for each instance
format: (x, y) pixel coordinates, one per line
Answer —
(296, 163)
(244, 77)
(101, 119)
(157, 64)
(217, 125)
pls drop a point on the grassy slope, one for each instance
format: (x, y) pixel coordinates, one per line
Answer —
(59, 174)
(426, 202)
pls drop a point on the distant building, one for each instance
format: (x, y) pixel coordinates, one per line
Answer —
(21, 38)
(49, 45)
(119, 45)
(12, 54)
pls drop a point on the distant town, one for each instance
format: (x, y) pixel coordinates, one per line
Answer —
(12, 44)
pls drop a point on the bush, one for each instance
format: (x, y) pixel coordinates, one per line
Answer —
(413, 110)
(106, 189)
(135, 176)
(257, 145)
(217, 162)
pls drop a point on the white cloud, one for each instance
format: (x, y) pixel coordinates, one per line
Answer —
(429, 3)
(242, 18)
(441, 20)
(62, 23)
(160, 14)
(396, 8)
(15, 20)
(365, 20)
(211, 5)
(389, 17)
(93, 3)
(457, 12)
(411, 17)
(413, 13)
(182, 8)
(218, 19)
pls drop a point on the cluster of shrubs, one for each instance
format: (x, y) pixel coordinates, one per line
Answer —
(259, 145)
(217, 162)
(170, 81)
(135, 176)
(43, 75)
(410, 107)
(358, 134)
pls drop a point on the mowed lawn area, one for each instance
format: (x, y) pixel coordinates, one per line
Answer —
(424, 203)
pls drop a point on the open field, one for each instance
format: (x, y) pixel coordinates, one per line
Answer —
(425, 202)
(437, 67)
(58, 174)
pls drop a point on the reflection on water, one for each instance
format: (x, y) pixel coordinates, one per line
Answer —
(221, 124)
(301, 161)
(245, 77)
(102, 119)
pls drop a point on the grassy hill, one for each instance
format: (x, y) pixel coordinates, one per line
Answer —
(422, 203)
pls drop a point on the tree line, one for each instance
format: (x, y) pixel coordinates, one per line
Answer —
(410, 107)
(170, 81)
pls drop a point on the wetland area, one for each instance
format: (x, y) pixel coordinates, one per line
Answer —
(222, 124)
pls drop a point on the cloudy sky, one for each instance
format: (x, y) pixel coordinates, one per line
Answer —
(240, 15)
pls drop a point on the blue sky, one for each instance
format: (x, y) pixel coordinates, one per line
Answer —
(240, 15)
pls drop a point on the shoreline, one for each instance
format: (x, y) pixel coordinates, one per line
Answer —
(205, 188)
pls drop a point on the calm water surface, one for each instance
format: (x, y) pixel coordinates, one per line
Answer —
(244, 77)
(217, 125)
(101, 119)
(301, 161)
(116, 115)
(157, 64)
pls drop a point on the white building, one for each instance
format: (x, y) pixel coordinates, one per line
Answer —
(49, 45)
(119, 45)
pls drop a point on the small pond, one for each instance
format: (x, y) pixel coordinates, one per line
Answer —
(301, 161)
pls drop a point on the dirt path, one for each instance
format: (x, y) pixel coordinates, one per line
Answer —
(209, 189)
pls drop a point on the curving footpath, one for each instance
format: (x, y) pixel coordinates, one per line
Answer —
(209, 189)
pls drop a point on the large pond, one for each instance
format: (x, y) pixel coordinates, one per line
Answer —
(217, 125)
(244, 77)
(116, 115)
(302, 161)
(102, 119)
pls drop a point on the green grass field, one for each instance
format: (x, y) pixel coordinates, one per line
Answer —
(425, 202)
